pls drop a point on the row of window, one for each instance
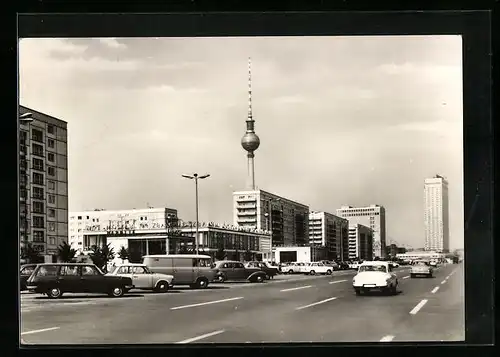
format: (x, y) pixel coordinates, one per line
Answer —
(37, 135)
(38, 165)
(37, 150)
(38, 207)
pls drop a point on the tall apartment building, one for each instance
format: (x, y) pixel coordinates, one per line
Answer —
(436, 214)
(373, 217)
(43, 182)
(328, 230)
(360, 242)
(286, 219)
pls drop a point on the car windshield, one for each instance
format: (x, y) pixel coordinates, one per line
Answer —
(114, 270)
(421, 264)
(380, 268)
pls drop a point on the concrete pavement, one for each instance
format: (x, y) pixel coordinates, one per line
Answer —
(288, 309)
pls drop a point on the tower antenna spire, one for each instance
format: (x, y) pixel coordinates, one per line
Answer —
(250, 114)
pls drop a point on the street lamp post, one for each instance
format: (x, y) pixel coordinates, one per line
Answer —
(195, 177)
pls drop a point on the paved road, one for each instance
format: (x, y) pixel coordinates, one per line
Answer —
(289, 309)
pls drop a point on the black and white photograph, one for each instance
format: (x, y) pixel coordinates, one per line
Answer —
(212, 190)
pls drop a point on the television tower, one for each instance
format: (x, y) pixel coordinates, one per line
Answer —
(250, 141)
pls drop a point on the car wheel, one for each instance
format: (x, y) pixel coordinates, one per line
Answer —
(118, 291)
(54, 293)
(202, 283)
(358, 291)
(329, 272)
(259, 279)
(412, 276)
(221, 279)
(161, 287)
(290, 271)
(394, 289)
(312, 272)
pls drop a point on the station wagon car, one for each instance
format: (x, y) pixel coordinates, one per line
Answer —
(295, 268)
(376, 275)
(234, 270)
(421, 268)
(54, 279)
(317, 268)
(143, 278)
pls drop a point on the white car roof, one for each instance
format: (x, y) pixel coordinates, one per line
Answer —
(131, 264)
(375, 262)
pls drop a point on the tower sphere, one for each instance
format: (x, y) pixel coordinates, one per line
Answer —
(250, 142)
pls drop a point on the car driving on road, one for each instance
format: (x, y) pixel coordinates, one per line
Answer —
(375, 275)
(54, 279)
(143, 278)
(317, 268)
(421, 268)
(230, 270)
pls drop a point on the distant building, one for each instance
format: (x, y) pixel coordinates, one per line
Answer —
(436, 214)
(329, 231)
(373, 217)
(286, 219)
(360, 242)
(43, 182)
(415, 255)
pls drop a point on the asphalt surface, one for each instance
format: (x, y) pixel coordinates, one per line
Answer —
(286, 309)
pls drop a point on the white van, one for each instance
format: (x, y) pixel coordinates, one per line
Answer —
(194, 270)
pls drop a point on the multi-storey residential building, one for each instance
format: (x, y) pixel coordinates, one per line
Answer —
(436, 214)
(329, 231)
(43, 182)
(373, 217)
(360, 242)
(286, 219)
(160, 231)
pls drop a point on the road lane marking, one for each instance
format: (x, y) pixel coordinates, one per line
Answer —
(443, 282)
(41, 330)
(435, 289)
(418, 307)
(406, 277)
(316, 303)
(387, 338)
(205, 303)
(337, 281)
(197, 338)
(298, 288)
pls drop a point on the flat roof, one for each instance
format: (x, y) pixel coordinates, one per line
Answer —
(177, 256)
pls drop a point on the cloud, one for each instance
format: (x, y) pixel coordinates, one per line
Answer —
(113, 43)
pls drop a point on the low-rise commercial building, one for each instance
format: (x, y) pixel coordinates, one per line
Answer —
(299, 254)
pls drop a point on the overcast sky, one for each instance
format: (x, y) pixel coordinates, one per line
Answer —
(342, 120)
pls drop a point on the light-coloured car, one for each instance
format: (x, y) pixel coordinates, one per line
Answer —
(294, 268)
(376, 275)
(143, 278)
(314, 268)
(421, 268)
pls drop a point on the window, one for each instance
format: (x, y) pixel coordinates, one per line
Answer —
(27, 270)
(38, 222)
(51, 212)
(51, 157)
(52, 185)
(238, 265)
(38, 193)
(23, 180)
(138, 270)
(51, 198)
(23, 194)
(37, 135)
(38, 236)
(23, 164)
(37, 149)
(51, 171)
(89, 270)
(69, 270)
(51, 143)
(123, 270)
(37, 164)
(38, 207)
(79, 217)
(52, 226)
(51, 129)
(47, 270)
(37, 178)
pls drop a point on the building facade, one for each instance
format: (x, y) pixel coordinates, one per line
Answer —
(329, 231)
(360, 242)
(436, 214)
(415, 255)
(287, 220)
(43, 182)
(373, 217)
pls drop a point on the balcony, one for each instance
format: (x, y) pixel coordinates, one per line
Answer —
(247, 220)
(247, 205)
(247, 213)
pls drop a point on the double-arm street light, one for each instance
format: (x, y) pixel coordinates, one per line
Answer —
(195, 177)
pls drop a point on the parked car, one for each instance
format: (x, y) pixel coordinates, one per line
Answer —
(433, 263)
(354, 265)
(24, 273)
(343, 266)
(269, 270)
(187, 269)
(317, 268)
(229, 270)
(143, 278)
(394, 265)
(375, 275)
(55, 279)
(421, 268)
(295, 268)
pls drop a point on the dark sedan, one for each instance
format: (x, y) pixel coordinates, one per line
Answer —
(269, 270)
(54, 279)
(228, 270)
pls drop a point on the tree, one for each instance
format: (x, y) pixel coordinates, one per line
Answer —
(65, 253)
(123, 254)
(220, 254)
(30, 254)
(101, 256)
